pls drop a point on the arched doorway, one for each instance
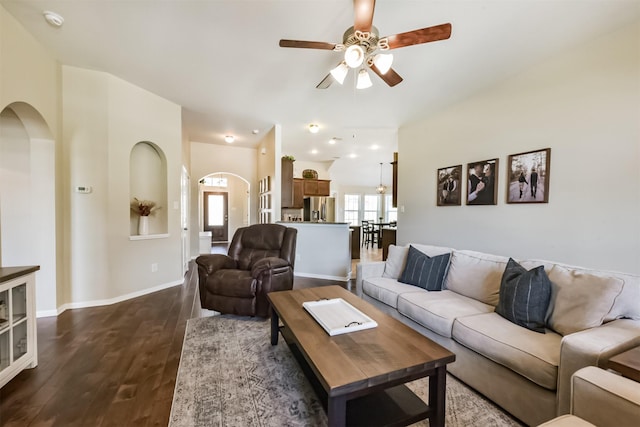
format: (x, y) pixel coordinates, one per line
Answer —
(224, 200)
(27, 198)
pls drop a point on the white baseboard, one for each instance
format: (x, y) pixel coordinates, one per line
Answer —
(323, 276)
(98, 303)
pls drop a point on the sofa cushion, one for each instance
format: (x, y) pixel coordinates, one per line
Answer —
(532, 355)
(476, 275)
(423, 271)
(396, 259)
(580, 300)
(437, 310)
(524, 296)
(386, 290)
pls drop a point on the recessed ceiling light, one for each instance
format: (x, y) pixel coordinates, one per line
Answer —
(53, 18)
(374, 147)
(314, 128)
(314, 151)
(255, 131)
(229, 139)
(352, 156)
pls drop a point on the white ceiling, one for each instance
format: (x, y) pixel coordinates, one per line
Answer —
(220, 60)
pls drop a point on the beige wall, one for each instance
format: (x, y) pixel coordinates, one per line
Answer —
(104, 117)
(585, 105)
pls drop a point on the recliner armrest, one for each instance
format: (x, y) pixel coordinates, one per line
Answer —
(212, 263)
(269, 263)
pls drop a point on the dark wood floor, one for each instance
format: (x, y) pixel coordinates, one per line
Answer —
(111, 366)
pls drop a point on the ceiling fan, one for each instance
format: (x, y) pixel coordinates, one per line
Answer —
(363, 47)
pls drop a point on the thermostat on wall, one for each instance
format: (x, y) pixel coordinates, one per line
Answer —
(83, 189)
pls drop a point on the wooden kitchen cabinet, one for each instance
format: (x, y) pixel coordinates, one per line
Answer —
(286, 190)
(298, 193)
(316, 187)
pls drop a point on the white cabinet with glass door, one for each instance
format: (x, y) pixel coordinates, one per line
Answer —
(18, 340)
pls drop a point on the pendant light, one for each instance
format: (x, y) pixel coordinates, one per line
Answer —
(381, 189)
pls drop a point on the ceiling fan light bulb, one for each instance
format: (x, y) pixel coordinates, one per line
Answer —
(383, 62)
(354, 56)
(340, 72)
(364, 80)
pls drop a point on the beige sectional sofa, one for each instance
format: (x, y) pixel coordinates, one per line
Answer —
(592, 315)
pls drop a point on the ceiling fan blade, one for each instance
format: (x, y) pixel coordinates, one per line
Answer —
(390, 77)
(326, 82)
(307, 44)
(424, 35)
(363, 11)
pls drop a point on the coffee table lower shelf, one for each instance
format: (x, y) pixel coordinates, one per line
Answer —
(393, 406)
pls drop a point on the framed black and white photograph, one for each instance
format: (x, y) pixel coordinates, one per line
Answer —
(482, 182)
(529, 177)
(449, 187)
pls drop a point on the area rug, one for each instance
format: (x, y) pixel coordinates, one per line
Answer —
(230, 375)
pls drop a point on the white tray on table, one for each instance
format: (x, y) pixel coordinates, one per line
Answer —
(337, 316)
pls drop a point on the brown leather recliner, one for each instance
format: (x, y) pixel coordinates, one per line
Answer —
(260, 260)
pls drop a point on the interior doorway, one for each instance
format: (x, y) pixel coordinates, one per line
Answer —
(216, 215)
(227, 195)
(28, 199)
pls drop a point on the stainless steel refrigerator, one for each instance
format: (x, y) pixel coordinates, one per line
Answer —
(321, 209)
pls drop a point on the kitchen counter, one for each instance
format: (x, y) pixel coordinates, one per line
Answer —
(322, 250)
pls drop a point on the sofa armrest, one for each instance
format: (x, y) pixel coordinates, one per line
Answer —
(364, 270)
(269, 263)
(592, 347)
(604, 398)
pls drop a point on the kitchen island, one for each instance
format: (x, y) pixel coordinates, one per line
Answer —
(322, 250)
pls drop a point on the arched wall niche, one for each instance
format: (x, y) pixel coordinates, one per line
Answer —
(238, 191)
(27, 198)
(148, 181)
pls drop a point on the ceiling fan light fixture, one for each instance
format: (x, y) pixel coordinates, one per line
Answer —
(354, 56)
(340, 72)
(364, 80)
(383, 62)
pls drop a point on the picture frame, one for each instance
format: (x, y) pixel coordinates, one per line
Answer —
(449, 186)
(482, 182)
(528, 176)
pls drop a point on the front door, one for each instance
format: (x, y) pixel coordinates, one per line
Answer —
(216, 218)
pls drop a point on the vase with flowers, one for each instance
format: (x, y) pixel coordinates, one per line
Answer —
(143, 208)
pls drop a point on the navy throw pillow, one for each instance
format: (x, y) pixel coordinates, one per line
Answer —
(424, 271)
(524, 296)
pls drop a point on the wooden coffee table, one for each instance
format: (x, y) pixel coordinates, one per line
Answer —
(360, 376)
